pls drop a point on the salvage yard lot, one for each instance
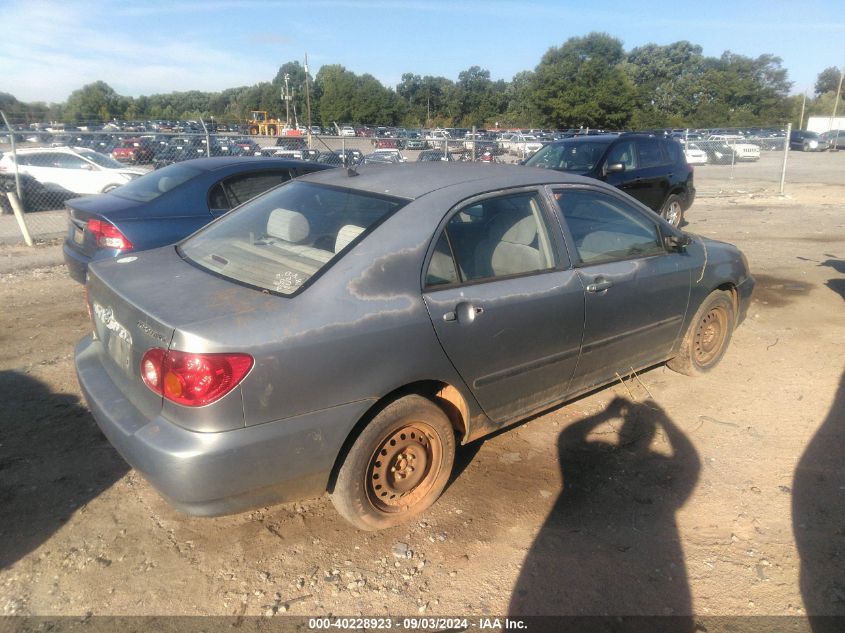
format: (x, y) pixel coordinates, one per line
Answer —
(660, 495)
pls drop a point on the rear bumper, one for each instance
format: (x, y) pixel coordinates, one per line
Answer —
(210, 474)
(77, 263)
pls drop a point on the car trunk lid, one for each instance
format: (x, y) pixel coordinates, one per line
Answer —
(150, 299)
(80, 210)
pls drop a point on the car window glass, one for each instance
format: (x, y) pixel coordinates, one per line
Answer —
(69, 161)
(244, 187)
(649, 151)
(673, 149)
(570, 155)
(500, 237)
(217, 198)
(441, 269)
(156, 183)
(624, 152)
(278, 241)
(604, 228)
(46, 159)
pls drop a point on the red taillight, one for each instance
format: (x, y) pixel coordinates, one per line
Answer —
(193, 380)
(107, 235)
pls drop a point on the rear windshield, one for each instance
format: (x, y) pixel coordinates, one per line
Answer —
(278, 241)
(572, 155)
(150, 186)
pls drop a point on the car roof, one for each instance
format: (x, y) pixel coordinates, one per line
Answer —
(591, 138)
(416, 179)
(223, 162)
(60, 148)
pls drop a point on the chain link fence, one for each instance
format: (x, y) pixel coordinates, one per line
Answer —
(42, 167)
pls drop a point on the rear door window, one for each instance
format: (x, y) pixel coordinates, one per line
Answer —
(244, 187)
(649, 152)
(497, 237)
(237, 189)
(673, 150)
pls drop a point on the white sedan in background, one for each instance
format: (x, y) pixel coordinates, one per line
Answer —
(694, 154)
(70, 169)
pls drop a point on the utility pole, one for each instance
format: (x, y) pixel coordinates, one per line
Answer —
(308, 101)
(287, 101)
(836, 101)
(835, 144)
(835, 147)
(801, 118)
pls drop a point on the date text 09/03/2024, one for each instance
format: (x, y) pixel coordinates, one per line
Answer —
(416, 624)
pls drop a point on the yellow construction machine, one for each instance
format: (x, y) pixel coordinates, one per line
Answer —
(260, 124)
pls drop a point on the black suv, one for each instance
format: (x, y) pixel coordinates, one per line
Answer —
(650, 168)
(807, 141)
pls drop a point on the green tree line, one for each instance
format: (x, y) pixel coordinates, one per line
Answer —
(587, 81)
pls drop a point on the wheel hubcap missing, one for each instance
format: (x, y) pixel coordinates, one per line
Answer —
(710, 335)
(404, 467)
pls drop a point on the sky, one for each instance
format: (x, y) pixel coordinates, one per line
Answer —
(152, 46)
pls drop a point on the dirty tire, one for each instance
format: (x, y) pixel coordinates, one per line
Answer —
(397, 467)
(673, 210)
(708, 336)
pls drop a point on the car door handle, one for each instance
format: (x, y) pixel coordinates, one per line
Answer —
(599, 286)
(464, 313)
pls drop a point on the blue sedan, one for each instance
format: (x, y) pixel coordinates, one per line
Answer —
(167, 205)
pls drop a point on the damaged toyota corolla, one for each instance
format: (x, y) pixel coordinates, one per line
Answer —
(343, 332)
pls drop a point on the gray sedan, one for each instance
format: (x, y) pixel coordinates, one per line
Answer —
(344, 331)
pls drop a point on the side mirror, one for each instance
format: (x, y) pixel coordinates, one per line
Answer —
(676, 243)
(614, 168)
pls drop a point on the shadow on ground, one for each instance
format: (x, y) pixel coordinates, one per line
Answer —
(611, 545)
(818, 514)
(837, 284)
(53, 461)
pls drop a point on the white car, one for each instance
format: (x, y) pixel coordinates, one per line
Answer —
(347, 131)
(523, 145)
(742, 150)
(70, 169)
(389, 152)
(694, 154)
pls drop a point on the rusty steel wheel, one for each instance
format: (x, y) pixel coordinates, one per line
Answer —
(708, 335)
(402, 470)
(397, 466)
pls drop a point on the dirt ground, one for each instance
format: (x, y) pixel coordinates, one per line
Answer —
(663, 495)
